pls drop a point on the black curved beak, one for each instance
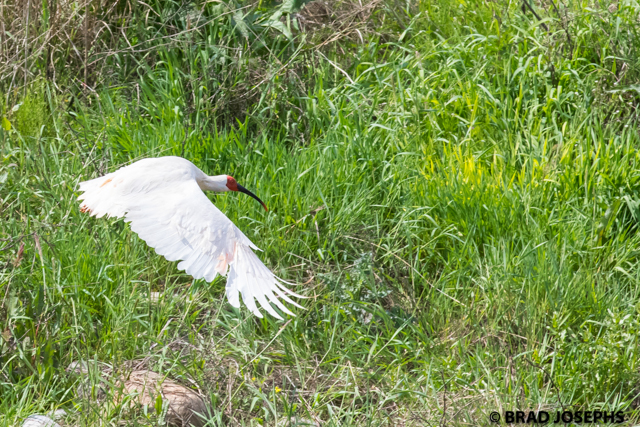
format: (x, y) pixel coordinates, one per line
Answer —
(245, 191)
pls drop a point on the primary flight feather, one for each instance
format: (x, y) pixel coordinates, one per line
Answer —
(163, 200)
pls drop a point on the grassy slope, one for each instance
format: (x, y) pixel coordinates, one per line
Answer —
(477, 249)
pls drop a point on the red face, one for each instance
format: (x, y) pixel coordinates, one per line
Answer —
(231, 183)
(233, 186)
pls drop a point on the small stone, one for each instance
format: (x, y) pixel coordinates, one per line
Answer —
(57, 414)
(88, 389)
(83, 366)
(78, 366)
(154, 297)
(39, 421)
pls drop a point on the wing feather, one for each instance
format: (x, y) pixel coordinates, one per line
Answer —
(162, 201)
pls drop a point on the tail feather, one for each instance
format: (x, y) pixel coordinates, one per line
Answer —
(249, 277)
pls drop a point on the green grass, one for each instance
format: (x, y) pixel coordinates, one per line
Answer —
(462, 209)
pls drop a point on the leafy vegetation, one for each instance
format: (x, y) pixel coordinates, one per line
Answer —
(453, 184)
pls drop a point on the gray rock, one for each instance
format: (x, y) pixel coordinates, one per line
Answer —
(92, 385)
(57, 414)
(87, 390)
(84, 366)
(39, 421)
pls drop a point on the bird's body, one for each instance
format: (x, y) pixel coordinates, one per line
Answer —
(163, 200)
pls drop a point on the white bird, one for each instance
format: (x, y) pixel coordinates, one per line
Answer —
(163, 200)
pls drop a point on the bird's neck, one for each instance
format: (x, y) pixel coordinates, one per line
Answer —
(217, 183)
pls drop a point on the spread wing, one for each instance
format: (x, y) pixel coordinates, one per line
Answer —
(174, 217)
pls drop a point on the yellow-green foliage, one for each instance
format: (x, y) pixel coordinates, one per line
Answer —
(31, 115)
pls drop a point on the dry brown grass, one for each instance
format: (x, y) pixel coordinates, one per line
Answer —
(35, 39)
(337, 20)
(42, 41)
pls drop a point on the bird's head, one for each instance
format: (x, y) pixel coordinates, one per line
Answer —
(233, 185)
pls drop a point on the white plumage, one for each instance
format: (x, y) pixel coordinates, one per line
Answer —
(163, 200)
